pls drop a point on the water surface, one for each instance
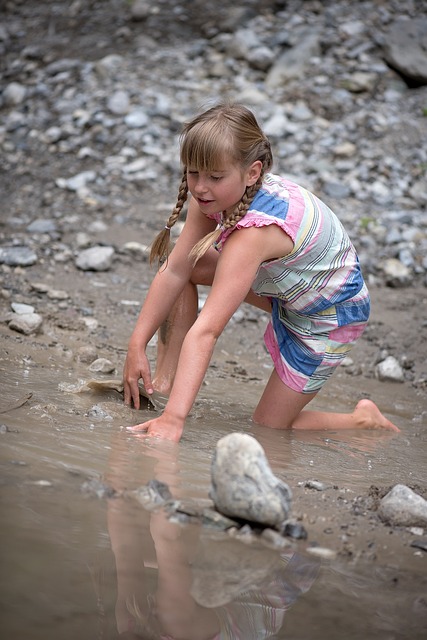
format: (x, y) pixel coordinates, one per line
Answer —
(78, 566)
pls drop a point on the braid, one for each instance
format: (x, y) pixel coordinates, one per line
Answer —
(243, 206)
(161, 246)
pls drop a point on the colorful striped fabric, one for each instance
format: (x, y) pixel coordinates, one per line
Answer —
(320, 301)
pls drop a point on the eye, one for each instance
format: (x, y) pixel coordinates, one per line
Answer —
(216, 178)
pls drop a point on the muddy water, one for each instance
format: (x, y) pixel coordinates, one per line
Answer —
(76, 565)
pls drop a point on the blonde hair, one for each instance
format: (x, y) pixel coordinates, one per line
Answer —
(223, 133)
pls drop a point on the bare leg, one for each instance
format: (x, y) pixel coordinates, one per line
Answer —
(171, 336)
(282, 408)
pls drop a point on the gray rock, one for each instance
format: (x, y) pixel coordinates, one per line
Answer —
(405, 48)
(87, 354)
(42, 226)
(140, 10)
(95, 487)
(136, 119)
(119, 102)
(18, 256)
(389, 369)
(336, 190)
(102, 365)
(243, 485)
(403, 507)
(26, 323)
(109, 65)
(152, 495)
(95, 259)
(21, 308)
(99, 413)
(418, 192)
(14, 94)
(77, 182)
(292, 63)
(396, 273)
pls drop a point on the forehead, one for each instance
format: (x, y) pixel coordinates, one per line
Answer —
(207, 150)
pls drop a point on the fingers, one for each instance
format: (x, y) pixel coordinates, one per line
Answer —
(155, 429)
(148, 383)
(131, 393)
(138, 428)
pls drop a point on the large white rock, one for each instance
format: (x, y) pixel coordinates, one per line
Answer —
(243, 485)
(403, 507)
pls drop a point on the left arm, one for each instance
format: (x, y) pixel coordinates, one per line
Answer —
(237, 266)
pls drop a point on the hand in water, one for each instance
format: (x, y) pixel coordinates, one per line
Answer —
(165, 427)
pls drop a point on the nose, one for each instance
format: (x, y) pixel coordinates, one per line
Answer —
(200, 186)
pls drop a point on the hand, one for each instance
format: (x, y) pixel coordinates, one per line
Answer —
(136, 366)
(165, 426)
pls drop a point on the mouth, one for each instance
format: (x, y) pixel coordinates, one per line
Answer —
(204, 202)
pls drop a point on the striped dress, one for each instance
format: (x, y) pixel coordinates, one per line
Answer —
(320, 302)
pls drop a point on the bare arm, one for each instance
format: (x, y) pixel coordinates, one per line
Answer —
(237, 266)
(165, 289)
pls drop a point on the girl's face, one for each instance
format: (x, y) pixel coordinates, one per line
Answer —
(221, 190)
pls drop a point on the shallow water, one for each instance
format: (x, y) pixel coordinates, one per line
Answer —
(75, 565)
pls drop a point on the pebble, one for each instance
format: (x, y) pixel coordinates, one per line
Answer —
(98, 412)
(102, 365)
(17, 256)
(322, 552)
(95, 259)
(390, 369)
(22, 309)
(94, 487)
(87, 354)
(26, 323)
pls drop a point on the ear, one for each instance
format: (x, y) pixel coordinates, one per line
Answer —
(253, 173)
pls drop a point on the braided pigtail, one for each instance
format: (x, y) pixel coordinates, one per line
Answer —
(243, 206)
(204, 244)
(161, 246)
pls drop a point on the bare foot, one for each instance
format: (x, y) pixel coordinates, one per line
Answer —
(369, 416)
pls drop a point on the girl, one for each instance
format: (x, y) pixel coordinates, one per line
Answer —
(255, 237)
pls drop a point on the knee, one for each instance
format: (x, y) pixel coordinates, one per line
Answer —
(202, 273)
(262, 419)
(204, 270)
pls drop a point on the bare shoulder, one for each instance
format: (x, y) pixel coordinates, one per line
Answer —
(262, 243)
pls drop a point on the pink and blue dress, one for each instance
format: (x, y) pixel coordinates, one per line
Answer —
(320, 302)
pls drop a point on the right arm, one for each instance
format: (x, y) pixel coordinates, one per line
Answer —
(164, 291)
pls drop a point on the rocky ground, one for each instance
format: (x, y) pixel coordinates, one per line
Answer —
(93, 95)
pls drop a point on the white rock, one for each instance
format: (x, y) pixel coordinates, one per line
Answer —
(243, 484)
(389, 369)
(95, 259)
(26, 323)
(21, 308)
(403, 507)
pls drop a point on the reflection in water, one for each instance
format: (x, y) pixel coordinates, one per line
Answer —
(51, 532)
(184, 582)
